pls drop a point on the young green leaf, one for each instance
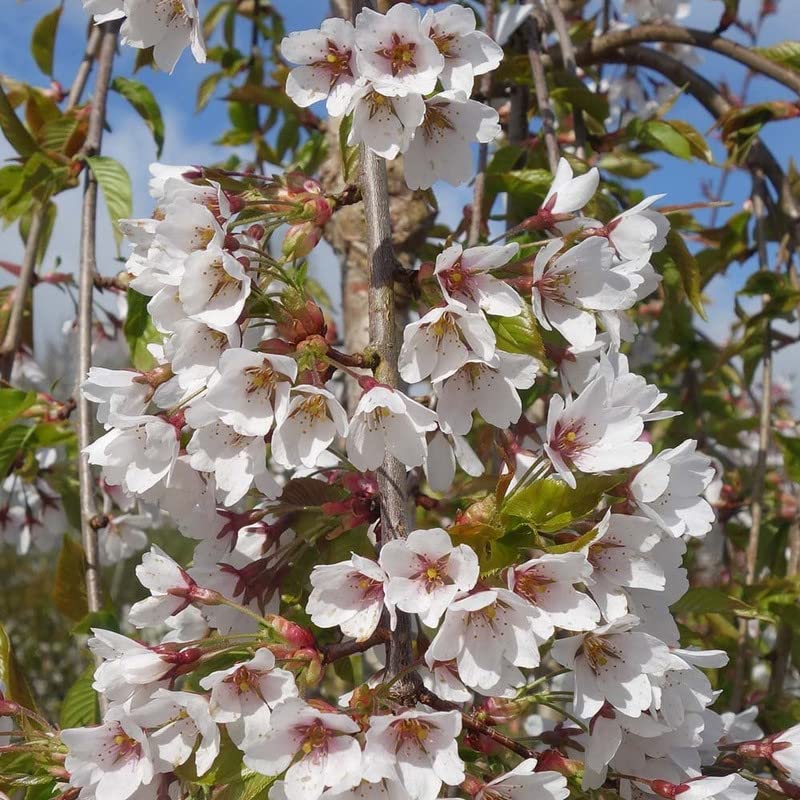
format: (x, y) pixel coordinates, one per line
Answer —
(146, 105)
(14, 131)
(80, 706)
(43, 40)
(115, 184)
(69, 585)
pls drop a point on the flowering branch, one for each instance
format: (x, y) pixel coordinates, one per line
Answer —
(88, 269)
(383, 337)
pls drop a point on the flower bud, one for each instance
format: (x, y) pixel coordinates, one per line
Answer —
(291, 632)
(300, 240)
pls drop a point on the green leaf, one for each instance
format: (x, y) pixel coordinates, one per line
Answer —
(15, 132)
(628, 165)
(576, 544)
(115, 184)
(784, 53)
(43, 40)
(708, 600)
(688, 268)
(140, 331)
(146, 105)
(69, 584)
(248, 786)
(790, 446)
(348, 154)
(16, 687)
(14, 402)
(518, 334)
(12, 440)
(80, 707)
(549, 505)
(661, 135)
(205, 90)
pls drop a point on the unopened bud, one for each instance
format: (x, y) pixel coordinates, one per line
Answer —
(472, 785)
(300, 240)
(667, 789)
(291, 632)
(256, 232)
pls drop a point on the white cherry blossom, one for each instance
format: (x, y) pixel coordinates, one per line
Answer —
(327, 68)
(384, 124)
(394, 53)
(464, 277)
(467, 52)
(111, 760)
(121, 395)
(569, 287)
(442, 341)
(548, 582)
(442, 145)
(417, 748)
(243, 696)
(669, 489)
(591, 434)
(613, 663)
(313, 419)
(250, 390)
(317, 750)
(386, 421)
(425, 573)
(570, 193)
(489, 387)
(490, 634)
(349, 594)
(524, 782)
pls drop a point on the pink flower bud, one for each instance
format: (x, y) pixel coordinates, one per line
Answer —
(300, 240)
(291, 632)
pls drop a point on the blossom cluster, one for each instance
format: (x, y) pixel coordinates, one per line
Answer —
(239, 434)
(406, 80)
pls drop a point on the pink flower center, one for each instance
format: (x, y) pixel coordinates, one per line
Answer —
(336, 62)
(433, 574)
(315, 738)
(568, 440)
(400, 54)
(529, 585)
(125, 747)
(598, 651)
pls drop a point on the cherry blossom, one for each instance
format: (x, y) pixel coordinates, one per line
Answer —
(350, 595)
(386, 421)
(250, 390)
(111, 760)
(417, 748)
(179, 724)
(548, 582)
(444, 452)
(463, 276)
(569, 193)
(243, 696)
(425, 572)
(394, 53)
(523, 782)
(467, 52)
(669, 490)
(384, 124)
(442, 341)
(490, 634)
(120, 395)
(489, 387)
(315, 748)
(786, 752)
(569, 287)
(312, 420)
(442, 145)
(592, 435)
(327, 65)
(613, 663)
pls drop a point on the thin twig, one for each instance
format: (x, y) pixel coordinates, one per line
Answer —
(542, 94)
(674, 34)
(764, 430)
(333, 652)
(16, 319)
(570, 65)
(88, 268)
(479, 195)
(383, 337)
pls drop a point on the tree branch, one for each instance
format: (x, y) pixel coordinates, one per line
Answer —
(333, 652)
(765, 423)
(542, 93)
(479, 195)
(88, 268)
(383, 336)
(570, 65)
(27, 274)
(674, 34)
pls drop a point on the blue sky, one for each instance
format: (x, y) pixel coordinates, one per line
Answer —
(188, 135)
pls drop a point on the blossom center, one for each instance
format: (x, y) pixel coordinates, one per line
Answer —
(436, 122)
(400, 54)
(126, 746)
(411, 731)
(315, 737)
(568, 439)
(598, 651)
(336, 62)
